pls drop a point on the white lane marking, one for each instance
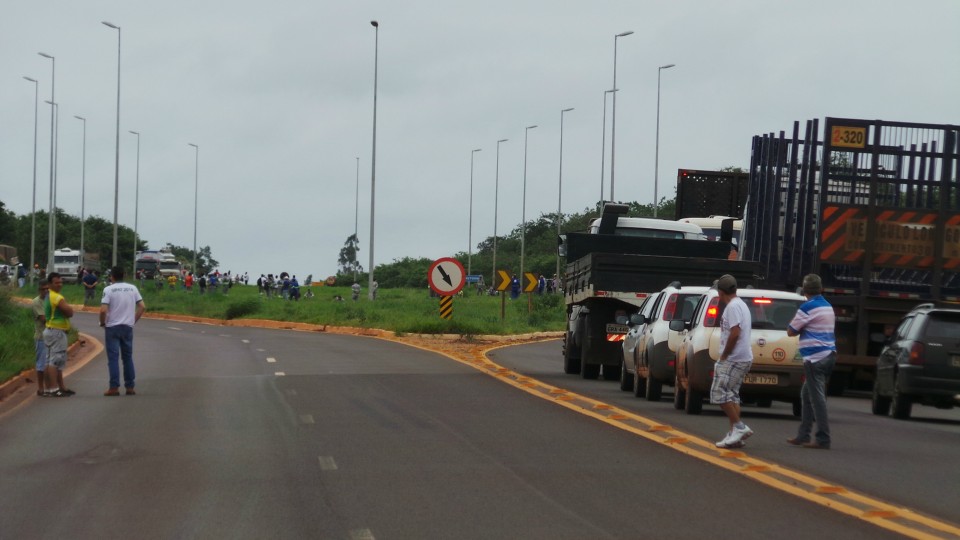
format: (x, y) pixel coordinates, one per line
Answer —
(306, 419)
(245, 341)
(271, 359)
(260, 350)
(361, 534)
(280, 374)
(290, 392)
(327, 463)
(175, 328)
(224, 335)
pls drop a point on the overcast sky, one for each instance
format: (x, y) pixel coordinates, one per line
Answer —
(279, 98)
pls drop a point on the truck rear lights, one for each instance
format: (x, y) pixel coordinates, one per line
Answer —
(916, 354)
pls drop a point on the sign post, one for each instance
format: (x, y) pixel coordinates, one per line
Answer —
(529, 285)
(502, 284)
(446, 278)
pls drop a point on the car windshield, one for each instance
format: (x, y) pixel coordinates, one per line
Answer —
(771, 313)
(943, 326)
(169, 264)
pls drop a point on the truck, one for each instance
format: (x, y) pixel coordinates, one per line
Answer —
(614, 266)
(702, 194)
(871, 206)
(147, 264)
(169, 265)
(70, 262)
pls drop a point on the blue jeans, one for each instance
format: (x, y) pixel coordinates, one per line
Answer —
(813, 398)
(119, 344)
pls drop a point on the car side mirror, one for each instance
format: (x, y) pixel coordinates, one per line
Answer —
(677, 325)
(637, 319)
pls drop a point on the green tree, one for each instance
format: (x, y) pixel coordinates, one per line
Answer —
(347, 261)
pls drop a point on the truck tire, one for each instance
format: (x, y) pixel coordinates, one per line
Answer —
(654, 388)
(571, 361)
(902, 404)
(590, 351)
(679, 394)
(879, 405)
(626, 378)
(693, 404)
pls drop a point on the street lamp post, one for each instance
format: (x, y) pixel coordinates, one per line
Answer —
(603, 140)
(656, 159)
(55, 171)
(356, 217)
(83, 186)
(33, 211)
(196, 190)
(560, 185)
(470, 221)
(496, 190)
(613, 127)
(52, 224)
(373, 159)
(136, 204)
(523, 224)
(116, 164)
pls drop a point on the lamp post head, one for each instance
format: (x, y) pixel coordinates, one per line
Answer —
(80, 118)
(48, 102)
(29, 79)
(668, 66)
(612, 90)
(627, 33)
(476, 150)
(566, 110)
(531, 127)
(45, 55)
(111, 25)
(193, 145)
(502, 140)
(375, 24)
(137, 133)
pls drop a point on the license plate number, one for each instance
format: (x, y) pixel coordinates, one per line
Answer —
(617, 328)
(760, 378)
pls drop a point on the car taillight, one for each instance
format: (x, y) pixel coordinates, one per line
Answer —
(713, 309)
(916, 354)
(671, 308)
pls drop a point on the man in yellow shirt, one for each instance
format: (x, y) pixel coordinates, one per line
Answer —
(57, 312)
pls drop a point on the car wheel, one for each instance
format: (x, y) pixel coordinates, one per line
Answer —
(654, 388)
(626, 378)
(639, 385)
(693, 404)
(797, 408)
(880, 405)
(679, 395)
(571, 364)
(902, 404)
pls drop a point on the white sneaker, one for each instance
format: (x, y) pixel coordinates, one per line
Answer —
(739, 434)
(725, 442)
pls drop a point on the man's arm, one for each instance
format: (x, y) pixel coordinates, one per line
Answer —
(65, 308)
(140, 309)
(103, 314)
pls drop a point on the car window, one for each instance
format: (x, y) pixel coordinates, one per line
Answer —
(771, 313)
(943, 326)
(687, 303)
(655, 312)
(698, 312)
(648, 305)
(904, 328)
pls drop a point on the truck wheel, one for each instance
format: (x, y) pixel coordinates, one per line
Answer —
(589, 350)
(654, 388)
(571, 363)
(693, 404)
(626, 378)
(679, 394)
(880, 405)
(902, 404)
(588, 371)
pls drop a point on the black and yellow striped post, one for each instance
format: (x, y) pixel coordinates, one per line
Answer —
(446, 307)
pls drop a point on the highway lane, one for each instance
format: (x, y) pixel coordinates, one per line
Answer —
(253, 433)
(908, 463)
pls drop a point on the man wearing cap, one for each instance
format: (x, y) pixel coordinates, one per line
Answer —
(814, 323)
(736, 357)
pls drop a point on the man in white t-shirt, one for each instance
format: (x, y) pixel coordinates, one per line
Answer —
(120, 308)
(736, 356)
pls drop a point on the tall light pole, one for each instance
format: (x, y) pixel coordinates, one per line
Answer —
(136, 204)
(373, 159)
(656, 159)
(33, 211)
(603, 141)
(470, 221)
(613, 127)
(496, 193)
(116, 163)
(52, 224)
(83, 186)
(523, 224)
(53, 187)
(560, 185)
(356, 217)
(196, 190)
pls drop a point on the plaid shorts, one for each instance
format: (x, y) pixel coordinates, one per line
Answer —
(727, 378)
(56, 342)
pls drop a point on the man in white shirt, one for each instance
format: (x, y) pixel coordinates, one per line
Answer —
(120, 309)
(736, 357)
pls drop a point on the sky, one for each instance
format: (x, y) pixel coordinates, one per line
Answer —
(279, 98)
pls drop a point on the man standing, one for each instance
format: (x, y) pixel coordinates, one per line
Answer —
(355, 288)
(121, 308)
(90, 282)
(57, 313)
(736, 356)
(814, 323)
(40, 323)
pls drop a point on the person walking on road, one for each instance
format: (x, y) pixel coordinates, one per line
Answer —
(736, 356)
(57, 313)
(814, 323)
(120, 309)
(40, 323)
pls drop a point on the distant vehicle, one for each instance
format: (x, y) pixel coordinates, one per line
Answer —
(920, 363)
(636, 323)
(70, 262)
(777, 370)
(712, 226)
(169, 265)
(147, 265)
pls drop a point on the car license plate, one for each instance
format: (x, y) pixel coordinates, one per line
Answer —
(760, 378)
(617, 328)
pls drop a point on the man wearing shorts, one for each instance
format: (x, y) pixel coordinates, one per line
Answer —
(57, 312)
(736, 356)
(40, 324)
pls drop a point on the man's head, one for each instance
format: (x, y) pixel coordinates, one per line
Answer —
(812, 285)
(44, 288)
(726, 287)
(117, 273)
(55, 281)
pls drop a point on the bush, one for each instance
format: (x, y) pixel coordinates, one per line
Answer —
(248, 306)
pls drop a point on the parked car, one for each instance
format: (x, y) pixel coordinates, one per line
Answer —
(655, 357)
(777, 370)
(920, 363)
(636, 322)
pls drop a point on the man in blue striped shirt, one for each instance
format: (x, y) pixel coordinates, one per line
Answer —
(814, 323)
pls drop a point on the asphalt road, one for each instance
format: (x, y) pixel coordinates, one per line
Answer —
(251, 433)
